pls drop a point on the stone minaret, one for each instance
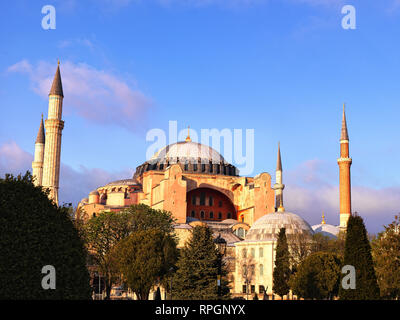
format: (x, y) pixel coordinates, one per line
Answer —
(344, 175)
(54, 126)
(37, 164)
(278, 186)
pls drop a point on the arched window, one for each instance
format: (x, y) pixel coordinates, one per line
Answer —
(220, 215)
(211, 201)
(253, 252)
(202, 214)
(240, 233)
(211, 215)
(193, 214)
(244, 253)
(229, 215)
(202, 198)
(261, 252)
(261, 270)
(194, 200)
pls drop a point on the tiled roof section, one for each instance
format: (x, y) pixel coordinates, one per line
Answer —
(56, 87)
(40, 136)
(344, 135)
(123, 182)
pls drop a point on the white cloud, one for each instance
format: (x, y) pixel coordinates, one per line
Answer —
(13, 159)
(310, 191)
(96, 95)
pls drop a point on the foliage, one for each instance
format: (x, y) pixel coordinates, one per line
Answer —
(143, 258)
(196, 277)
(317, 276)
(105, 230)
(358, 254)
(386, 255)
(322, 243)
(35, 233)
(282, 271)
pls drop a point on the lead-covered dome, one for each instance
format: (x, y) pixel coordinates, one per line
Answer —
(187, 150)
(267, 227)
(326, 230)
(192, 157)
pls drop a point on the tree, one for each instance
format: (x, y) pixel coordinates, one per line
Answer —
(282, 271)
(196, 276)
(358, 254)
(323, 243)
(102, 233)
(317, 276)
(386, 255)
(36, 233)
(143, 258)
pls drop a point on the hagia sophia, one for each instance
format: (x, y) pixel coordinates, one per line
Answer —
(198, 186)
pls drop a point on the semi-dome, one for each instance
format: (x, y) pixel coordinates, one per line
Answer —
(267, 227)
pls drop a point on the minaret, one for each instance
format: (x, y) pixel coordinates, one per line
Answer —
(278, 186)
(344, 175)
(37, 164)
(54, 126)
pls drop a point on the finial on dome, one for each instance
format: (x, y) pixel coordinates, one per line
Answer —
(188, 136)
(281, 208)
(58, 62)
(323, 218)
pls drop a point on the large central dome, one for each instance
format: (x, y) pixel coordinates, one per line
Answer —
(192, 157)
(187, 151)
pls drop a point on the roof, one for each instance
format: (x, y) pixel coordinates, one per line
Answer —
(279, 161)
(40, 136)
(123, 182)
(187, 150)
(344, 134)
(56, 87)
(326, 230)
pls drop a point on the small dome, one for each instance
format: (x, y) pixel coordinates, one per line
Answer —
(94, 193)
(326, 230)
(268, 226)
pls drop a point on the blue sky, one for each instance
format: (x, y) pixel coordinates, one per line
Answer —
(280, 67)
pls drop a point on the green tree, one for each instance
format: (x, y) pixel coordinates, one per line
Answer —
(34, 233)
(358, 254)
(282, 271)
(196, 276)
(386, 255)
(317, 276)
(102, 233)
(144, 257)
(105, 230)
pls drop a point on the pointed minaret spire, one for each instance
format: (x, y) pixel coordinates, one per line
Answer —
(40, 136)
(37, 164)
(278, 187)
(279, 162)
(54, 126)
(344, 163)
(344, 135)
(56, 87)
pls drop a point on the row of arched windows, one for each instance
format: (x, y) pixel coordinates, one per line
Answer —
(210, 215)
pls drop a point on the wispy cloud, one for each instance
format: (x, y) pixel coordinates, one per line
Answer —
(96, 95)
